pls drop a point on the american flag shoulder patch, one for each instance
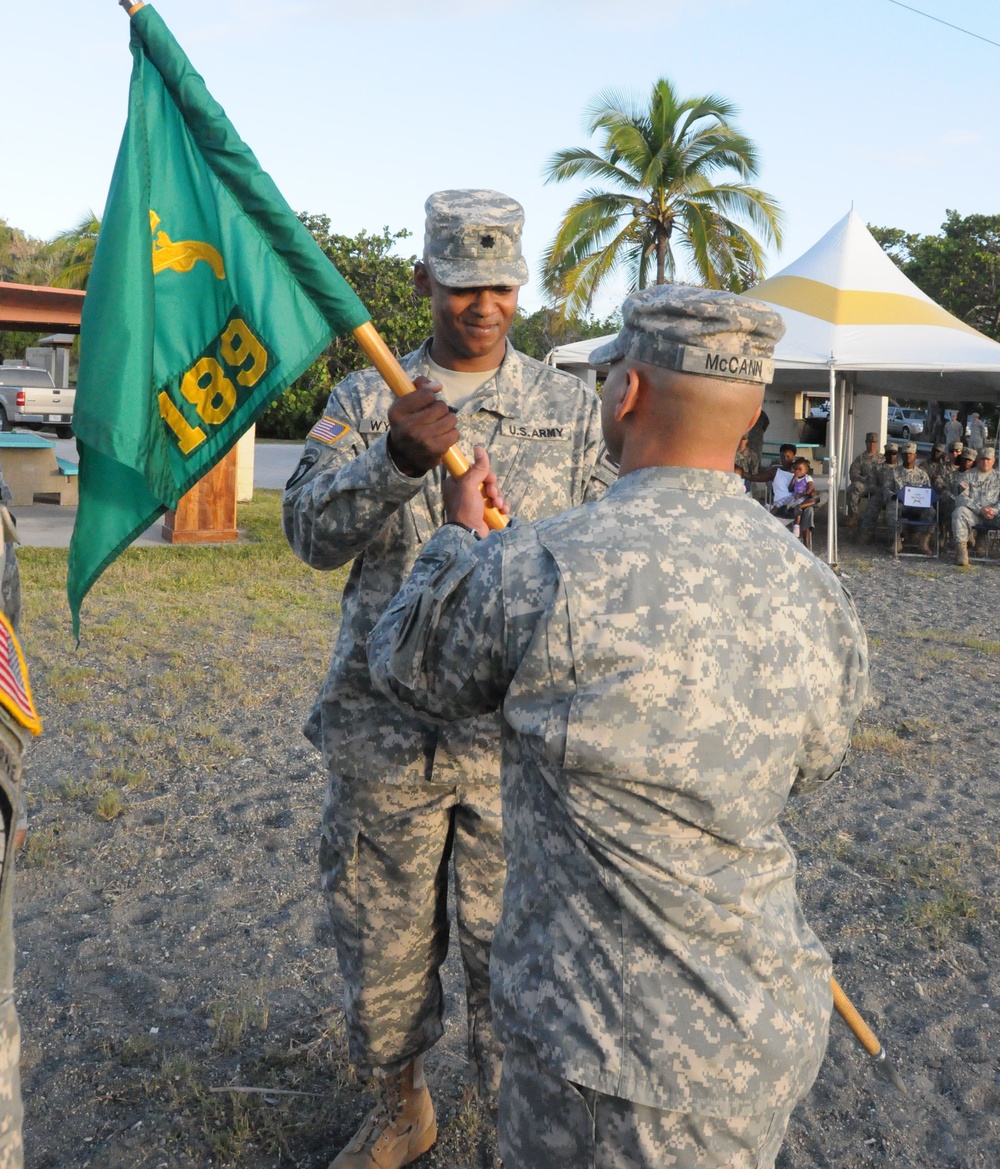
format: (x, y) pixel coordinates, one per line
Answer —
(15, 689)
(328, 430)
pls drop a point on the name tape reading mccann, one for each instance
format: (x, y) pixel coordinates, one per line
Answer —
(708, 363)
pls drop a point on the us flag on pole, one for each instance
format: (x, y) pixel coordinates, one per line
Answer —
(15, 690)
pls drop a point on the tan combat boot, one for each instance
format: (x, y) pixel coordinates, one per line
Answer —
(398, 1129)
(925, 544)
(961, 554)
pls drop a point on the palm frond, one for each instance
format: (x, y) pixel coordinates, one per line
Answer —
(737, 201)
(579, 161)
(582, 281)
(611, 104)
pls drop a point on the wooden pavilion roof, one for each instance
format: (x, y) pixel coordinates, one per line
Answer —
(37, 308)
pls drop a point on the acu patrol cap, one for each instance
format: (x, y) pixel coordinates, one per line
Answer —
(910, 448)
(891, 448)
(970, 453)
(472, 239)
(988, 452)
(703, 331)
(871, 436)
(957, 446)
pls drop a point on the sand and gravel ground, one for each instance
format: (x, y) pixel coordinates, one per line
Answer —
(178, 995)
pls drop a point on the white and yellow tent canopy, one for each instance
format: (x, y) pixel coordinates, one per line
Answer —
(848, 307)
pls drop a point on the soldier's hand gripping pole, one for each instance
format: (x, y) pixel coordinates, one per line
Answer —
(396, 378)
(865, 1035)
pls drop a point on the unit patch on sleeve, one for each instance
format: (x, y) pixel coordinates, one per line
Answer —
(328, 430)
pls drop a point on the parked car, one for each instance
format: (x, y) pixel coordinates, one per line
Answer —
(906, 423)
(821, 411)
(29, 398)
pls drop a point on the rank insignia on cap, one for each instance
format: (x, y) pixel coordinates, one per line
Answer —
(15, 690)
(328, 430)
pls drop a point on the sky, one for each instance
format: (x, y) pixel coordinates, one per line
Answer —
(360, 109)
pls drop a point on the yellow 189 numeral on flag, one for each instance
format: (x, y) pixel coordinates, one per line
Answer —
(209, 388)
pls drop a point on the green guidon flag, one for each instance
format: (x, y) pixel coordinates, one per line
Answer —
(207, 298)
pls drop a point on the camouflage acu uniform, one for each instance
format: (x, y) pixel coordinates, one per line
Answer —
(977, 433)
(747, 462)
(548, 1121)
(983, 491)
(953, 431)
(878, 483)
(404, 794)
(893, 484)
(946, 486)
(860, 477)
(936, 470)
(651, 947)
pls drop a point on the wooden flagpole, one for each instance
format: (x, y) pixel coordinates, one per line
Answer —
(864, 1034)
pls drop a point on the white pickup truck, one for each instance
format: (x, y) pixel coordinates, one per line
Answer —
(29, 398)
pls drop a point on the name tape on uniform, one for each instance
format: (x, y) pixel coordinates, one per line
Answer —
(736, 367)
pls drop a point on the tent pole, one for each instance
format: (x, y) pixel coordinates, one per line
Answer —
(834, 486)
(842, 452)
(850, 440)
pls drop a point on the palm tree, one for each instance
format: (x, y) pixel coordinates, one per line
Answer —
(666, 197)
(75, 251)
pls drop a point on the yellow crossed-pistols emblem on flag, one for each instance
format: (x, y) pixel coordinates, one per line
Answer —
(184, 254)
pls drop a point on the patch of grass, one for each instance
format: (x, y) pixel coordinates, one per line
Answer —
(69, 683)
(225, 745)
(983, 645)
(185, 756)
(96, 732)
(943, 916)
(124, 776)
(136, 1051)
(72, 789)
(41, 848)
(879, 739)
(203, 728)
(943, 903)
(231, 1019)
(145, 736)
(940, 655)
(110, 805)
